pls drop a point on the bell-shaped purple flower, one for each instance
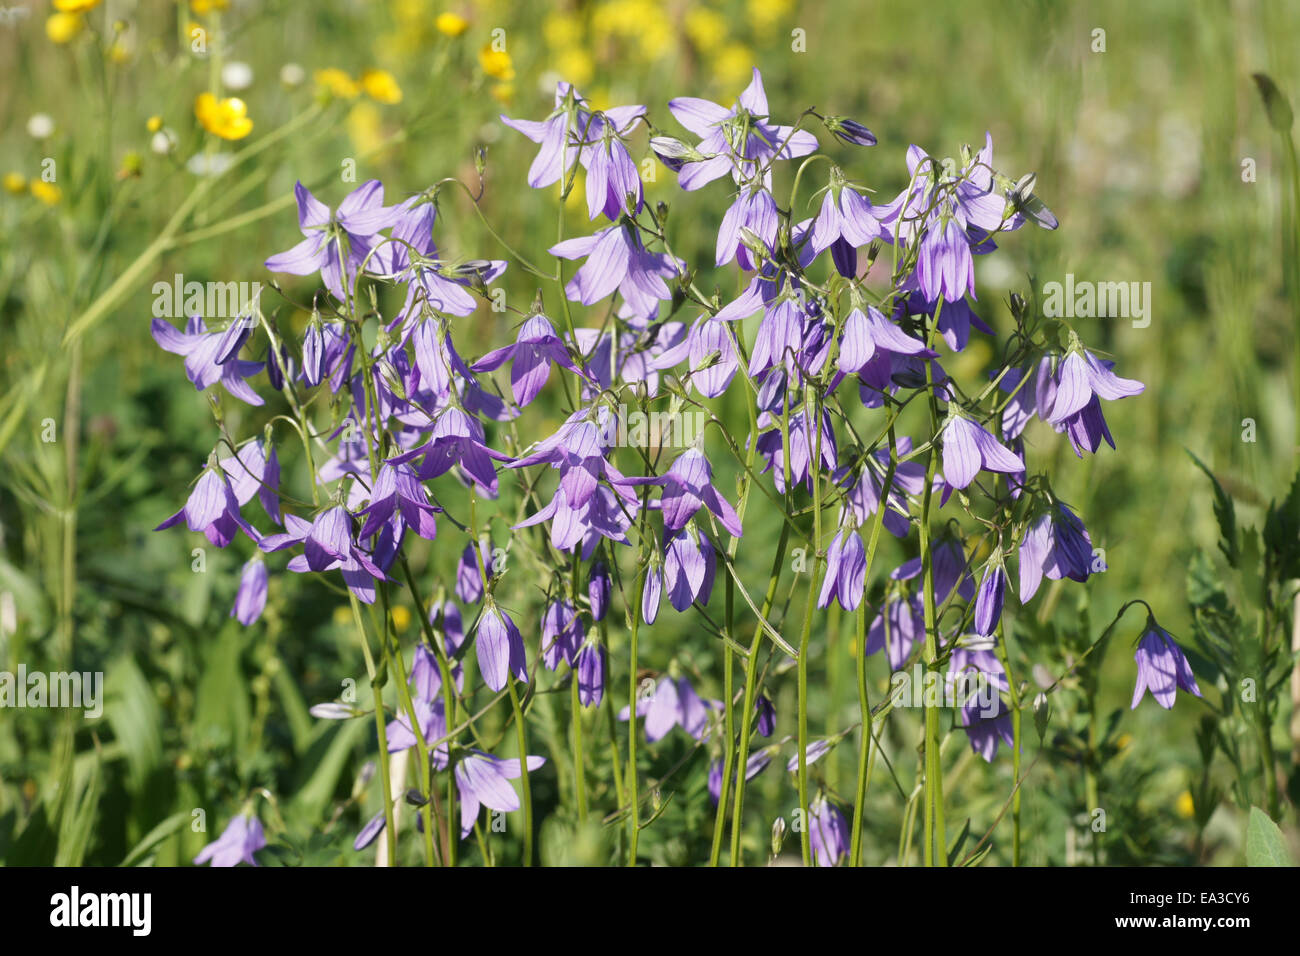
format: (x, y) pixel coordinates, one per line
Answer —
(968, 447)
(561, 634)
(213, 509)
(616, 259)
(846, 570)
(828, 832)
(500, 649)
(242, 838)
(484, 781)
(591, 669)
(536, 348)
(250, 598)
(1057, 545)
(1162, 667)
(599, 590)
(689, 565)
(672, 703)
(202, 349)
(399, 491)
(988, 600)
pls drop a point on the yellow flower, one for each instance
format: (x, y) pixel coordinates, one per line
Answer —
(575, 65)
(401, 618)
(766, 14)
(338, 83)
(47, 193)
(207, 6)
(706, 28)
(496, 63)
(382, 86)
(15, 183)
(119, 53)
(561, 30)
(734, 65)
(503, 93)
(1186, 806)
(363, 126)
(226, 118)
(342, 615)
(451, 24)
(62, 27)
(153, 124)
(75, 6)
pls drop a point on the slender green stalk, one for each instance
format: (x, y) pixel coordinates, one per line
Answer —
(633, 794)
(579, 765)
(751, 684)
(390, 835)
(522, 736)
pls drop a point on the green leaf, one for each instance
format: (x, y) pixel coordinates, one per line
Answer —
(1282, 532)
(155, 836)
(1265, 845)
(1276, 105)
(1224, 512)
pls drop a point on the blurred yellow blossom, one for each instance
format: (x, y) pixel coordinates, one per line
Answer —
(62, 27)
(363, 126)
(767, 14)
(47, 193)
(226, 118)
(1186, 806)
(382, 86)
(75, 6)
(734, 65)
(154, 124)
(496, 63)
(337, 82)
(706, 28)
(575, 65)
(503, 93)
(451, 24)
(561, 30)
(15, 183)
(207, 6)
(641, 23)
(401, 618)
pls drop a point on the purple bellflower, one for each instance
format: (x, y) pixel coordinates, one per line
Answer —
(1162, 667)
(241, 838)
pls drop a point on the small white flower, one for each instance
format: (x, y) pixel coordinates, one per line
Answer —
(201, 164)
(40, 126)
(291, 74)
(163, 142)
(236, 75)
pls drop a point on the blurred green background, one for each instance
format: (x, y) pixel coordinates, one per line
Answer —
(1144, 150)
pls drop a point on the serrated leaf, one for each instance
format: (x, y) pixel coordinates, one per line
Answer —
(1224, 512)
(1265, 845)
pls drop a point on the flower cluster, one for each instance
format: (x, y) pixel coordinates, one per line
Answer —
(836, 341)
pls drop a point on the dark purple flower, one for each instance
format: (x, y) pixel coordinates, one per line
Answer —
(863, 496)
(850, 131)
(431, 716)
(328, 545)
(242, 838)
(1162, 667)
(250, 599)
(360, 216)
